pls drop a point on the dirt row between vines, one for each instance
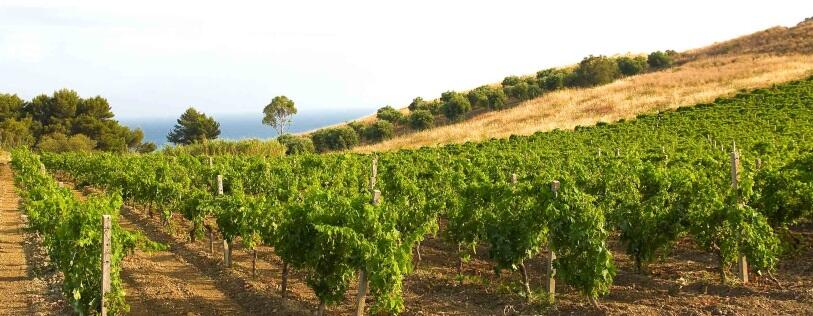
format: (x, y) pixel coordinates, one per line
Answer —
(684, 283)
(28, 284)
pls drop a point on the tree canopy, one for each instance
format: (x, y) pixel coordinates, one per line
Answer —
(194, 127)
(278, 113)
(61, 116)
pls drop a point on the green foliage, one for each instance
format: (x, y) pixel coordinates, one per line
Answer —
(58, 142)
(659, 59)
(72, 234)
(296, 145)
(254, 147)
(487, 97)
(418, 104)
(193, 127)
(337, 138)
(455, 105)
(389, 114)
(630, 66)
(278, 113)
(596, 70)
(552, 79)
(379, 131)
(63, 113)
(421, 120)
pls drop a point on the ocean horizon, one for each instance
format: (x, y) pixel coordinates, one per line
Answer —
(244, 125)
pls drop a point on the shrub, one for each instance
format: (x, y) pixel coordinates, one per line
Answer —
(630, 66)
(596, 70)
(58, 142)
(455, 105)
(511, 81)
(496, 98)
(551, 79)
(421, 120)
(379, 131)
(435, 106)
(295, 145)
(479, 96)
(660, 60)
(336, 138)
(418, 104)
(389, 114)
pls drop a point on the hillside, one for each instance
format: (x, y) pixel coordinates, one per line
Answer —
(757, 60)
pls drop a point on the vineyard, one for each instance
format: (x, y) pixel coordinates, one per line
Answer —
(734, 178)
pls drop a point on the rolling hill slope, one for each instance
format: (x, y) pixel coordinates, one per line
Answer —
(761, 59)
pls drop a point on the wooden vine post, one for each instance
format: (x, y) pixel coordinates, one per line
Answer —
(106, 253)
(742, 266)
(376, 200)
(551, 275)
(226, 243)
(522, 269)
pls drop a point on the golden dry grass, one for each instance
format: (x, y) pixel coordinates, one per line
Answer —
(694, 82)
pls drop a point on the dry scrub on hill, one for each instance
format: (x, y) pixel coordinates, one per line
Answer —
(691, 83)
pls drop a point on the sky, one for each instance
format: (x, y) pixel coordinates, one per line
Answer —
(156, 58)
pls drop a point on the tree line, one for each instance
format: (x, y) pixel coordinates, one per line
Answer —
(64, 121)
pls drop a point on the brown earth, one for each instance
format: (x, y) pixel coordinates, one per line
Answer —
(685, 282)
(26, 281)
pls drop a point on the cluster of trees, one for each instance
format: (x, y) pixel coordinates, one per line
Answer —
(454, 106)
(64, 121)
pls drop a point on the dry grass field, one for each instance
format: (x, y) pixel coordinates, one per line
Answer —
(758, 60)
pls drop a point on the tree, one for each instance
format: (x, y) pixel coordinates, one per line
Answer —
(10, 106)
(379, 131)
(58, 142)
(389, 114)
(15, 133)
(630, 66)
(418, 104)
(660, 60)
(596, 70)
(337, 138)
(421, 119)
(278, 113)
(295, 145)
(455, 105)
(193, 127)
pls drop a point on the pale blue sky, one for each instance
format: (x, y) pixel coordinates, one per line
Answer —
(155, 58)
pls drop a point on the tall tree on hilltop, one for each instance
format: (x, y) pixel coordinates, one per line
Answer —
(278, 113)
(193, 127)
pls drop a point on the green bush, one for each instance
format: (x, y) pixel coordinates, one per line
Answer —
(58, 142)
(455, 105)
(336, 138)
(295, 145)
(660, 60)
(496, 98)
(389, 114)
(511, 81)
(421, 120)
(379, 131)
(435, 106)
(478, 97)
(630, 66)
(596, 70)
(418, 104)
(551, 79)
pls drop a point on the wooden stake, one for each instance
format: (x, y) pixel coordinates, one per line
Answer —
(227, 253)
(106, 251)
(362, 293)
(211, 240)
(211, 163)
(220, 184)
(254, 264)
(551, 273)
(373, 173)
(284, 287)
(742, 269)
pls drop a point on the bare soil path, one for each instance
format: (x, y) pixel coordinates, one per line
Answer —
(19, 287)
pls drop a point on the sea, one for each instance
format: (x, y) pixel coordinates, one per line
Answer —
(245, 125)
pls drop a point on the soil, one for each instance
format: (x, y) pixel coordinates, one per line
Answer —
(188, 279)
(28, 286)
